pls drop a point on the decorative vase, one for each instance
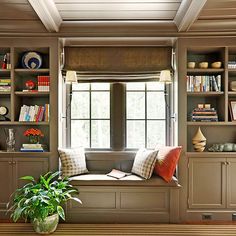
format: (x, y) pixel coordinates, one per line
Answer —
(46, 226)
(199, 141)
(33, 139)
(10, 139)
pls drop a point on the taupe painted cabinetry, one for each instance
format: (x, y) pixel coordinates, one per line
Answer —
(11, 169)
(211, 183)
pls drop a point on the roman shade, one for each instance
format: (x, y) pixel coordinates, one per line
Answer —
(117, 63)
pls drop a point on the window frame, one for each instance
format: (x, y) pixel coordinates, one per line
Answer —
(118, 117)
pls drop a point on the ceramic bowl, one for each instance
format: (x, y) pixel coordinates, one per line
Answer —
(216, 65)
(203, 65)
(191, 65)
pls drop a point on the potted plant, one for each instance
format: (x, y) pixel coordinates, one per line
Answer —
(41, 201)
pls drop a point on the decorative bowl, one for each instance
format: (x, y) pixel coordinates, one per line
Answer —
(216, 65)
(191, 65)
(203, 65)
(31, 60)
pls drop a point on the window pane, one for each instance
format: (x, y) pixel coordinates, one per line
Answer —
(135, 105)
(100, 86)
(135, 133)
(80, 86)
(155, 86)
(80, 105)
(135, 86)
(100, 105)
(155, 105)
(79, 133)
(100, 134)
(155, 133)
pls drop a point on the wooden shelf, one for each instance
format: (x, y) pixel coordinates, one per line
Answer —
(22, 123)
(210, 154)
(207, 94)
(207, 71)
(22, 70)
(32, 94)
(5, 70)
(219, 123)
(5, 93)
(25, 154)
(232, 93)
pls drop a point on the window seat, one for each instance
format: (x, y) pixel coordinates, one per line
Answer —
(131, 180)
(127, 200)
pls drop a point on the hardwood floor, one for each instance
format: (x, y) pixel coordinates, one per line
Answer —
(14, 229)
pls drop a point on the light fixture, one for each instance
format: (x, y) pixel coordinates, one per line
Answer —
(165, 77)
(71, 76)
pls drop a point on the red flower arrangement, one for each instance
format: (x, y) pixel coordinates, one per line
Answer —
(33, 132)
(34, 135)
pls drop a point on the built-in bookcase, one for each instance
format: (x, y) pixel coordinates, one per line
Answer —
(17, 164)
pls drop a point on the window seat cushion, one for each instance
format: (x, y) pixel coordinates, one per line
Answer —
(131, 180)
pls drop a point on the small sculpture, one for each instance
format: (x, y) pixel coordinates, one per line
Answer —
(199, 141)
(223, 147)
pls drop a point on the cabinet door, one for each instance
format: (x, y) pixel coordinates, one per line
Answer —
(231, 184)
(207, 183)
(6, 187)
(29, 166)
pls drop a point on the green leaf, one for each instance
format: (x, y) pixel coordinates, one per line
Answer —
(30, 178)
(61, 212)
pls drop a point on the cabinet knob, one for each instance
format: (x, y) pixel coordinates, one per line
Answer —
(228, 163)
(9, 162)
(13, 162)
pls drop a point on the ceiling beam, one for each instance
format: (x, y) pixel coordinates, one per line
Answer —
(48, 14)
(187, 13)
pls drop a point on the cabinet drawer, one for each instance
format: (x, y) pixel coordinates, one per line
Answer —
(92, 200)
(158, 200)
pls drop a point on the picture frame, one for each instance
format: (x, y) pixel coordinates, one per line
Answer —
(232, 110)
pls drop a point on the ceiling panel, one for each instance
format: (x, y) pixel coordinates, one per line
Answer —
(117, 9)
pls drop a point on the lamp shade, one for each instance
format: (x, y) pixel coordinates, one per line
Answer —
(71, 76)
(165, 76)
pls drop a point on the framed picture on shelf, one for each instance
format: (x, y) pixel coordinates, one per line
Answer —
(232, 110)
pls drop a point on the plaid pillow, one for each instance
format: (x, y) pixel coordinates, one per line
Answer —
(144, 163)
(72, 161)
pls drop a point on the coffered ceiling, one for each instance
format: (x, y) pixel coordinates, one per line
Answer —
(171, 17)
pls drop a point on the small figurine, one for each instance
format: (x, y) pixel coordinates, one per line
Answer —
(3, 113)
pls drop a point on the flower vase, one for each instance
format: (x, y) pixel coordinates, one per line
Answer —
(33, 139)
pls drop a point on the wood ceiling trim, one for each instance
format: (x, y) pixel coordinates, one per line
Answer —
(188, 12)
(113, 1)
(48, 14)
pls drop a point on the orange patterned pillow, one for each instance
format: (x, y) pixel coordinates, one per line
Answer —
(167, 160)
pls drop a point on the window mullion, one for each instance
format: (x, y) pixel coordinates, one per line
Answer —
(90, 116)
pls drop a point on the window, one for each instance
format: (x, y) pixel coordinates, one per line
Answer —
(90, 115)
(118, 116)
(145, 115)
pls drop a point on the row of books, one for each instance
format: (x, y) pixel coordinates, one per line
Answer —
(28, 147)
(34, 113)
(5, 84)
(203, 83)
(43, 83)
(232, 64)
(5, 61)
(204, 114)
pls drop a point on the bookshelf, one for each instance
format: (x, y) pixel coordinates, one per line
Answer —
(206, 177)
(17, 163)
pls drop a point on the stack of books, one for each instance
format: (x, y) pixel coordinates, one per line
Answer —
(232, 64)
(43, 83)
(5, 84)
(34, 113)
(204, 114)
(28, 147)
(203, 83)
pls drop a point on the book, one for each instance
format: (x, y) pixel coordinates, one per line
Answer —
(31, 150)
(118, 174)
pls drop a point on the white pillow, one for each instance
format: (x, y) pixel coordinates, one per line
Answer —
(144, 163)
(72, 161)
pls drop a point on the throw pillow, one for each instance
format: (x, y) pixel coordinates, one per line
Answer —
(144, 162)
(72, 161)
(167, 160)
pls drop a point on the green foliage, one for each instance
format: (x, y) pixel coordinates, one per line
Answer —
(37, 200)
